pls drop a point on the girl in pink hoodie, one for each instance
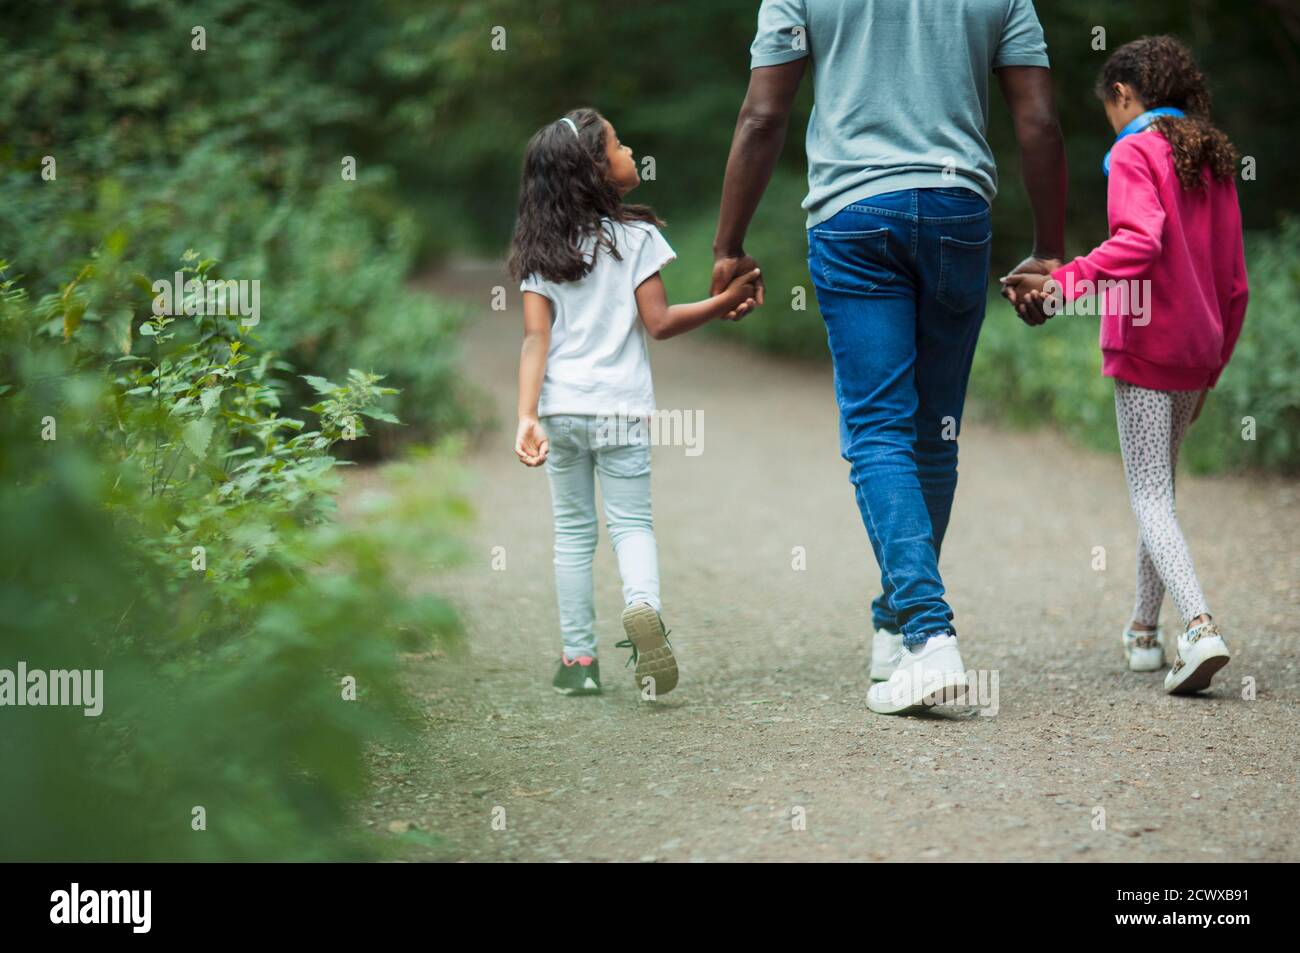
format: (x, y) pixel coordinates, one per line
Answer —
(1172, 283)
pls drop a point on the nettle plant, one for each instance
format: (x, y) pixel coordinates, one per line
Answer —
(212, 479)
(170, 526)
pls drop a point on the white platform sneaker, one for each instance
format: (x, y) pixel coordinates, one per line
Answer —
(935, 675)
(1201, 653)
(1144, 651)
(884, 654)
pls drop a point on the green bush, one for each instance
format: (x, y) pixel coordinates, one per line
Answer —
(342, 286)
(126, 444)
(238, 150)
(125, 147)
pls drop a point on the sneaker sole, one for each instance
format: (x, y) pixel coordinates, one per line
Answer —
(952, 690)
(654, 656)
(1198, 679)
(570, 692)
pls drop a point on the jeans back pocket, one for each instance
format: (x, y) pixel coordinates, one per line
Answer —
(854, 261)
(631, 459)
(963, 272)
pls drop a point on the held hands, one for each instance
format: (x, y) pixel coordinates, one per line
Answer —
(1025, 287)
(1032, 292)
(531, 443)
(741, 294)
(727, 269)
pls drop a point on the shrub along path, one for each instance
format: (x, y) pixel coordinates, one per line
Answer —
(766, 750)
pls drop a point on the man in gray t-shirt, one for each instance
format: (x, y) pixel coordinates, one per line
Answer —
(900, 177)
(902, 89)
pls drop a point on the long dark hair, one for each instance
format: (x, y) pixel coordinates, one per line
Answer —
(564, 195)
(1162, 72)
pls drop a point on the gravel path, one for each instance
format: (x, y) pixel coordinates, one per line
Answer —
(766, 750)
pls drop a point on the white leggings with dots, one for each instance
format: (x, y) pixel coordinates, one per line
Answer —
(1152, 424)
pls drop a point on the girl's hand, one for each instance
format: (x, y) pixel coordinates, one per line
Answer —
(531, 442)
(1200, 403)
(741, 293)
(723, 269)
(1025, 283)
(1027, 293)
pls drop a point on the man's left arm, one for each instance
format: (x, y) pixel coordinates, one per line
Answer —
(755, 147)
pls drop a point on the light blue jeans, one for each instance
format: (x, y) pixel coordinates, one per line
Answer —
(581, 448)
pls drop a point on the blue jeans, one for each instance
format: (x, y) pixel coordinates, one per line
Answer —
(902, 280)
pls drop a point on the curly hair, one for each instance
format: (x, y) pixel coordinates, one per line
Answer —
(564, 198)
(1162, 72)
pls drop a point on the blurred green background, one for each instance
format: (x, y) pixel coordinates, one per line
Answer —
(228, 161)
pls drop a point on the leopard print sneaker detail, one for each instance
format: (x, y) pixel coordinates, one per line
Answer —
(1201, 653)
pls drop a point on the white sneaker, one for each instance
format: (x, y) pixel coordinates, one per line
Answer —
(935, 675)
(1144, 651)
(884, 652)
(1201, 653)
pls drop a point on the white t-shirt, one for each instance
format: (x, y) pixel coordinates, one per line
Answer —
(598, 362)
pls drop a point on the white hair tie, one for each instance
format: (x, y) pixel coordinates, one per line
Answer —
(572, 125)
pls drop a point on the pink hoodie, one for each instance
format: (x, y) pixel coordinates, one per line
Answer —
(1188, 244)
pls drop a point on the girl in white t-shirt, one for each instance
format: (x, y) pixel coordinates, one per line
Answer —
(589, 269)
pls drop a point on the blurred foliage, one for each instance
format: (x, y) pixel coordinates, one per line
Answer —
(238, 149)
(167, 523)
(128, 439)
(671, 78)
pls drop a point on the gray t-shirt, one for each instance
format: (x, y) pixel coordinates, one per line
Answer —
(901, 89)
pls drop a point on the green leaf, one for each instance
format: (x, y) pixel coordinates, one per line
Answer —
(72, 315)
(197, 434)
(320, 384)
(120, 326)
(210, 398)
(377, 414)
